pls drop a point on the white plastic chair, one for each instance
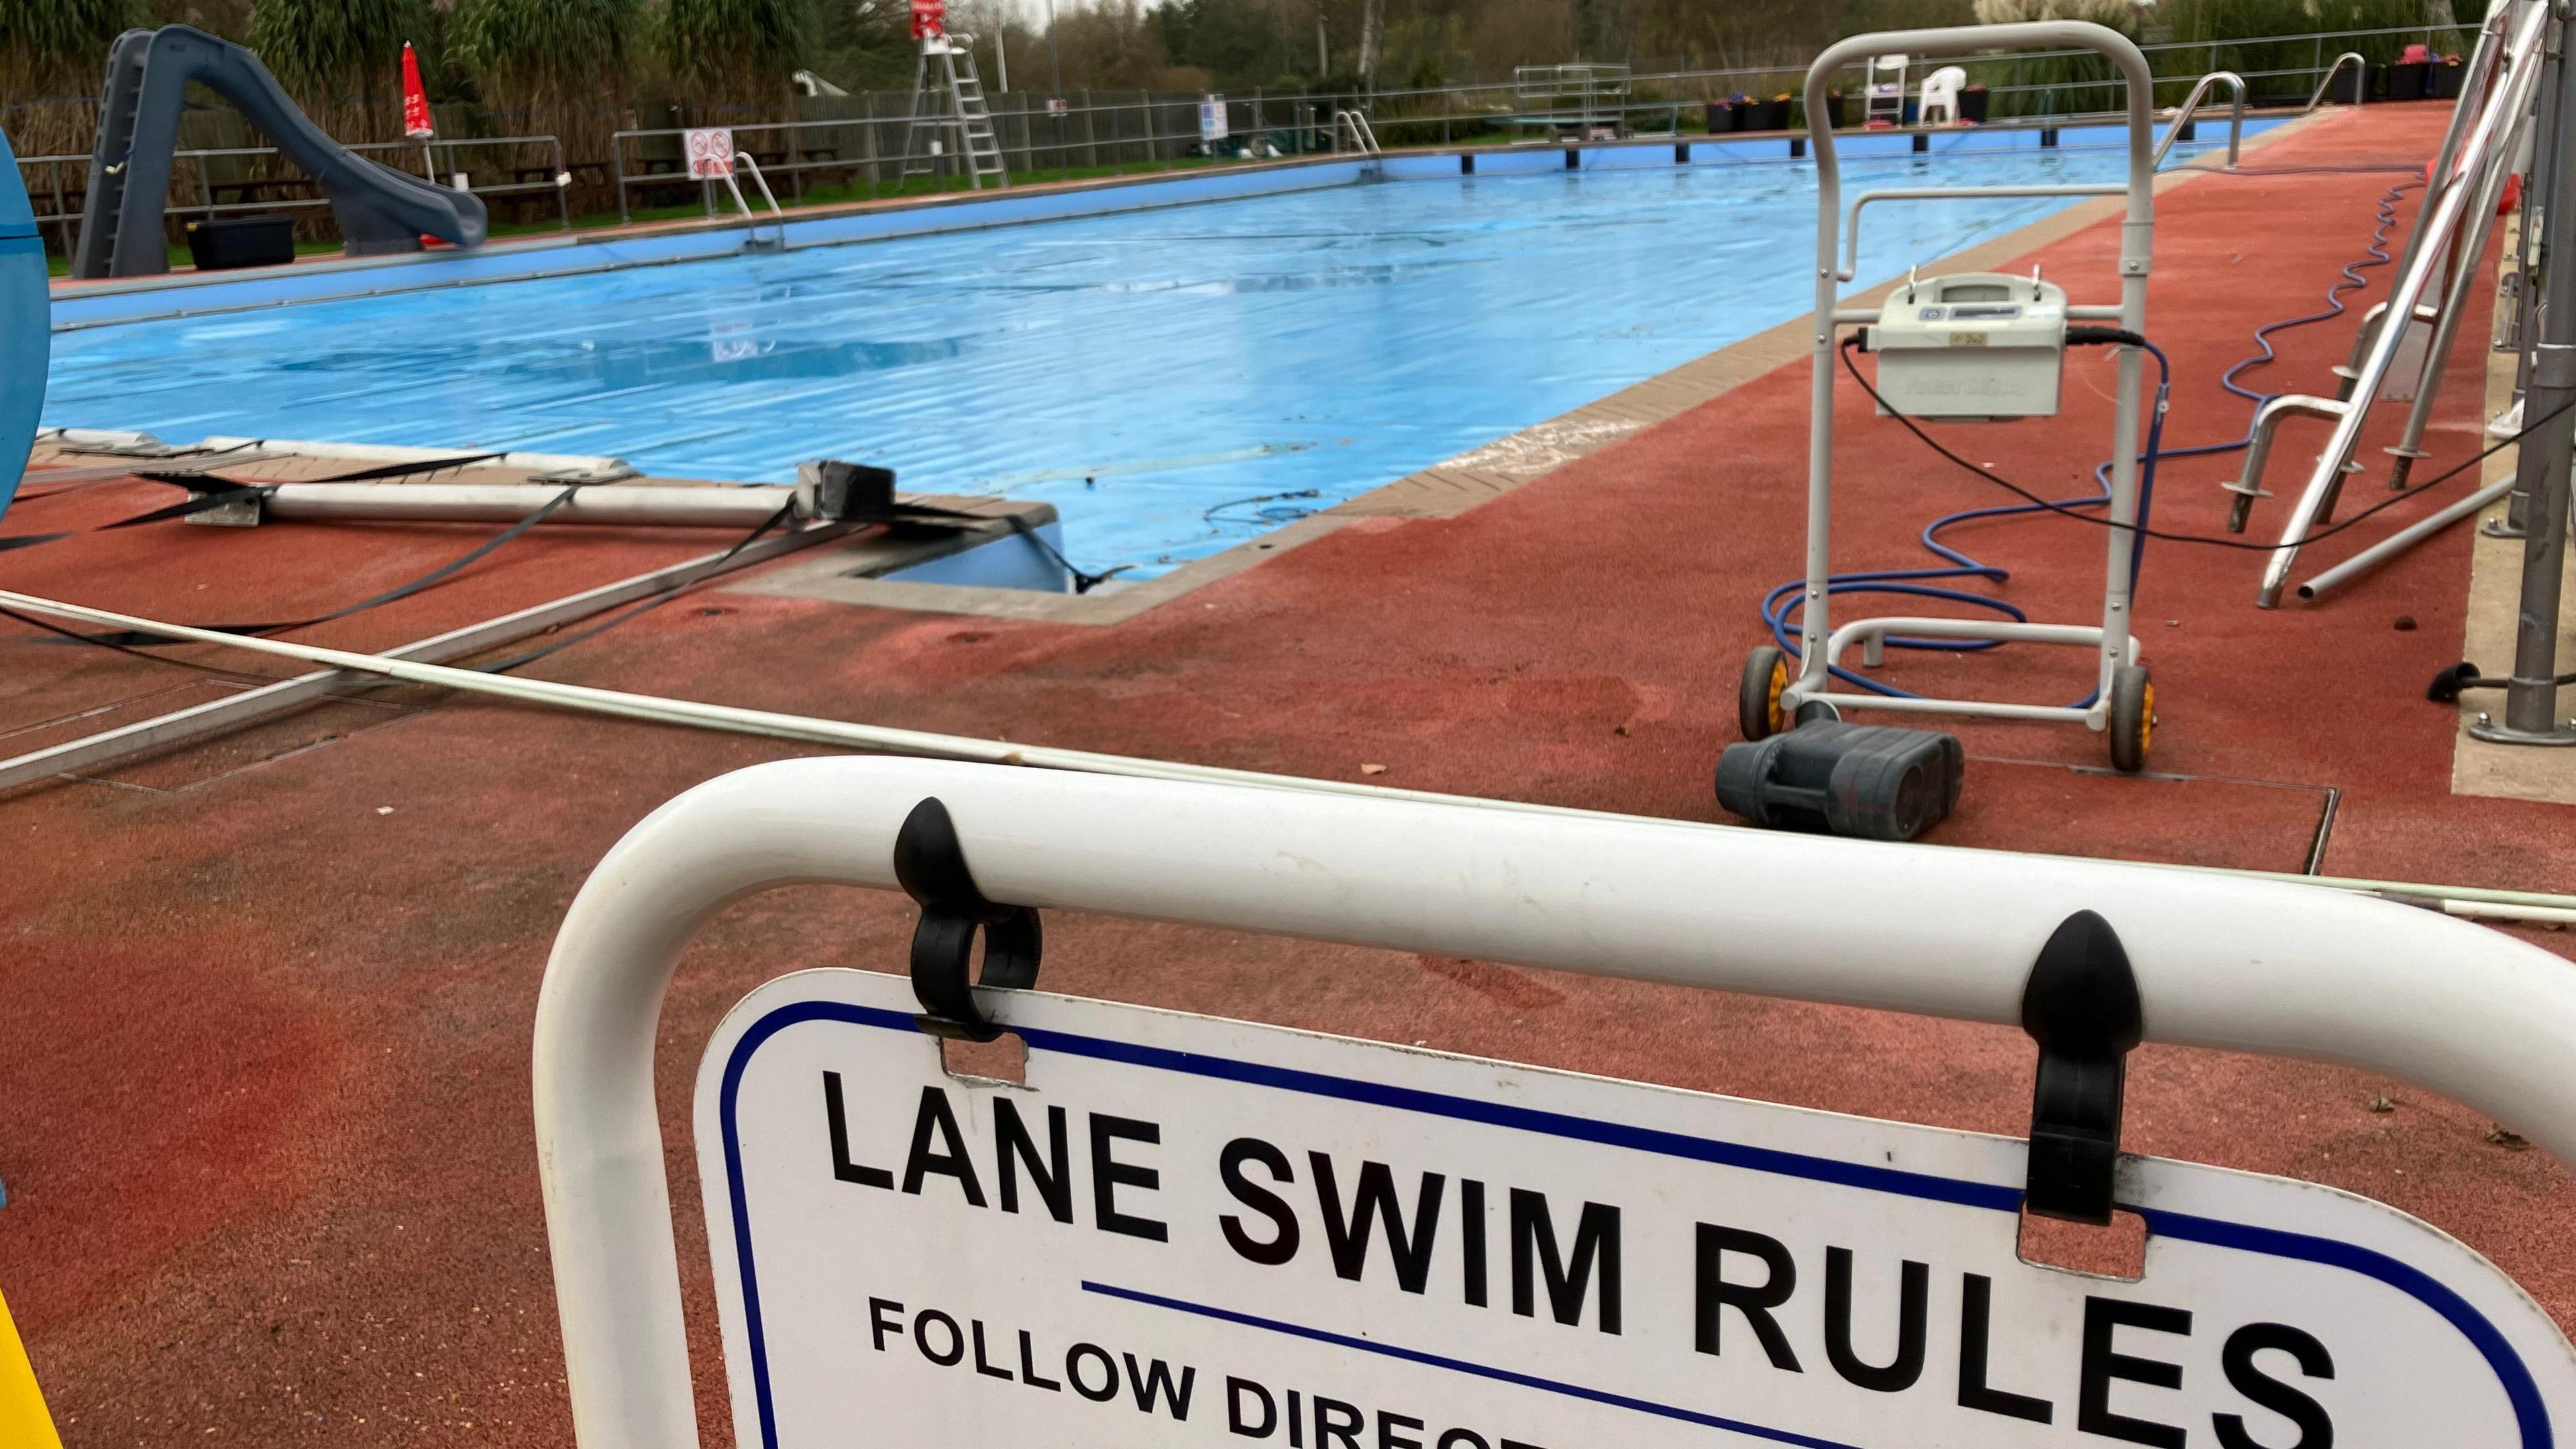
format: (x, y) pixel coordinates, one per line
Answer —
(1940, 103)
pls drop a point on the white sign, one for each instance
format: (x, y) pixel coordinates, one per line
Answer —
(710, 150)
(1186, 1231)
(1212, 119)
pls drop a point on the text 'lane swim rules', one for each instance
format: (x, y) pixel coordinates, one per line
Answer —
(1185, 1231)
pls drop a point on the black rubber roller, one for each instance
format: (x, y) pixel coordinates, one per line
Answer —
(1871, 782)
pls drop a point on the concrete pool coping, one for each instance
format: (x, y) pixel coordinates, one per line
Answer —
(1456, 485)
(80, 305)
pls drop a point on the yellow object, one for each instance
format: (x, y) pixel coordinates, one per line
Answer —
(24, 1424)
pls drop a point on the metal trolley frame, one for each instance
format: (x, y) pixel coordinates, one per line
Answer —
(2123, 701)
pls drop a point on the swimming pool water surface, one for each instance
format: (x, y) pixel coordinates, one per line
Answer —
(1163, 377)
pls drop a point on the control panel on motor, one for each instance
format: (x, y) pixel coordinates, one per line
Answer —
(1977, 345)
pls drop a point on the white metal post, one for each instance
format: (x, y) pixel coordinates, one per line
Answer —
(2239, 965)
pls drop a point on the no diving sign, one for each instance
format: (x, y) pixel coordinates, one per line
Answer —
(1186, 1231)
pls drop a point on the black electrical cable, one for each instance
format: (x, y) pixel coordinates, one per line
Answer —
(1083, 583)
(202, 503)
(425, 581)
(104, 642)
(2447, 685)
(1853, 342)
(124, 641)
(669, 592)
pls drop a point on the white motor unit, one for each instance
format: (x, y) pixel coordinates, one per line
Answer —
(1974, 346)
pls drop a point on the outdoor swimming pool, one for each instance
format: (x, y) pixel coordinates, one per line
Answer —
(1141, 371)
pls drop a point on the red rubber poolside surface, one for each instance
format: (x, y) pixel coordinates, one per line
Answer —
(263, 1067)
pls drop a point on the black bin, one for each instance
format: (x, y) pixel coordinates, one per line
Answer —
(1972, 104)
(1771, 115)
(224, 243)
(2406, 82)
(2446, 79)
(1721, 117)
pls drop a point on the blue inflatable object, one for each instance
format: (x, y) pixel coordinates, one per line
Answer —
(26, 325)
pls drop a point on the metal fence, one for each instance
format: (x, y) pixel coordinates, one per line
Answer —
(857, 147)
(251, 175)
(871, 151)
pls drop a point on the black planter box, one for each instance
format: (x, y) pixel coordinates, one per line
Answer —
(2446, 80)
(2405, 82)
(224, 243)
(1769, 116)
(1972, 103)
(1724, 117)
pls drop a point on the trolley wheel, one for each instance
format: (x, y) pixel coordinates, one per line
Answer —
(2133, 716)
(1758, 714)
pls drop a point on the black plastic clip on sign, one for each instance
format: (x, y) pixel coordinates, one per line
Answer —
(2081, 1006)
(931, 865)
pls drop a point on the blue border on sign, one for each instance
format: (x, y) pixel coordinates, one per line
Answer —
(2531, 1415)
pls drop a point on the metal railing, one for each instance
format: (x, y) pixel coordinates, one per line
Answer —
(2360, 79)
(2246, 966)
(2181, 128)
(1100, 134)
(66, 200)
(868, 156)
(2476, 154)
(742, 160)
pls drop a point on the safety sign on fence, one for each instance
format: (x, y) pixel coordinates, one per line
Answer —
(1182, 1230)
(710, 150)
(1212, 119)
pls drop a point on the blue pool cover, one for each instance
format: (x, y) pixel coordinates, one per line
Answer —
(1174, 381)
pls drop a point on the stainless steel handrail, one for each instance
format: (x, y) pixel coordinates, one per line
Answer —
(2191, 107)
(2360, 78)
(743, 159)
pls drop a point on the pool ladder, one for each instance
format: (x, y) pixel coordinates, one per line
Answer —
(754, 241)
(1355, 125)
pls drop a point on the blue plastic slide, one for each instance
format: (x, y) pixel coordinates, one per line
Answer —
(148, 71)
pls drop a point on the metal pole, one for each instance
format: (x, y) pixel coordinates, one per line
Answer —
(2539, 202)
(2400, 541)
(2541, 471)
(1055, 64)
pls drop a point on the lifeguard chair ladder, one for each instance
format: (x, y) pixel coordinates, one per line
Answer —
(949, 116)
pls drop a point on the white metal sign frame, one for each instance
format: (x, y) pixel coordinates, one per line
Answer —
(2252, 966)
